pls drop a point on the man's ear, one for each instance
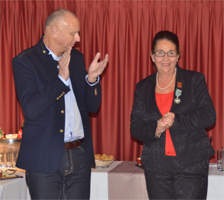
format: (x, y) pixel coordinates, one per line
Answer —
(54, 31)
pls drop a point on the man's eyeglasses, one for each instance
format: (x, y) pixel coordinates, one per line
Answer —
(161, 53)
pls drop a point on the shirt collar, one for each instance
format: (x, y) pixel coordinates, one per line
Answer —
(52, 54)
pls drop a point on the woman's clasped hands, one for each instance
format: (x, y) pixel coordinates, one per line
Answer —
(164, 123)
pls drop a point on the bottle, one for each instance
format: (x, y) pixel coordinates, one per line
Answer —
(1, 133)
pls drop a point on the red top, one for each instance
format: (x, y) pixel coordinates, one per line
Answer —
(164, 103)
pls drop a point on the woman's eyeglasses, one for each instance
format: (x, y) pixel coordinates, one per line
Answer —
(161, 53)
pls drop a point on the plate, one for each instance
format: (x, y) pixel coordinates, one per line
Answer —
(9, 176)
(100, 167)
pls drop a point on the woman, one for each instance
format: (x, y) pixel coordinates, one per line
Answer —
(171, 110)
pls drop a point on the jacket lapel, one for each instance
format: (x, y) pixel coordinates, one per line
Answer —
(47, 68)
(150, 99)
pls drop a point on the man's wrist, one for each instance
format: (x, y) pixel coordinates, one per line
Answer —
(92, 84)
(91, 80)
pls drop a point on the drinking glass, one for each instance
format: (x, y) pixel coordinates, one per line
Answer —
(2, 156)
(220, 159)
(15, 151)
(8, 156)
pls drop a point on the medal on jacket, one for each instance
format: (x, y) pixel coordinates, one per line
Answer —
(178, 93)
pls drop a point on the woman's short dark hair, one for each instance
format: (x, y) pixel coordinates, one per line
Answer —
(167, 35)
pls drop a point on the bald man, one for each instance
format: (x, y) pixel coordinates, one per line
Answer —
(56, 93)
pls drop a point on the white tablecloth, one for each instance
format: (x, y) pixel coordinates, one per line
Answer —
(14, 188)
(99, 182)
(215, 183)
(17, 189)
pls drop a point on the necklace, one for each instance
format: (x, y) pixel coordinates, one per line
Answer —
(168, 84)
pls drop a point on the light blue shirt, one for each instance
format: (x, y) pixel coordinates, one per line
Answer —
(73, 122)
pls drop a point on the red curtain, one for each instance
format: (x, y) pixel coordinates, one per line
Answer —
(124, 29)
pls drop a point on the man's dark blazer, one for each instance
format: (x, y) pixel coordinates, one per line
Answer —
(193, 114)
(41, 95)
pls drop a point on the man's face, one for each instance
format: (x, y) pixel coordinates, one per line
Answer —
(67, 32)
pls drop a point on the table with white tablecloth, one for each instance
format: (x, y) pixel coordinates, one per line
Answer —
(99, 182)
(215, 183)
(126, 181)
(121, 180)
(14, 188)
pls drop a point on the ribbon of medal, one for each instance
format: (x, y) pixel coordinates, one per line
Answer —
(178, 93)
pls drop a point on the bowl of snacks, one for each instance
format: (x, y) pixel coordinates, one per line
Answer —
(103, 161)
(11, 135)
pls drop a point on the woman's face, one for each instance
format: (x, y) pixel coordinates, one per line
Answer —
(166, 63)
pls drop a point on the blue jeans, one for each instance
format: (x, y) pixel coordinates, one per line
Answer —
(71, 181)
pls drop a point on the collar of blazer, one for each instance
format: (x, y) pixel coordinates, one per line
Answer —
(49, 65)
